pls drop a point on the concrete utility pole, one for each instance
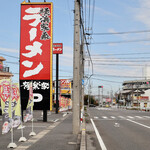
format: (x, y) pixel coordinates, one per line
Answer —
(82, 71)
(76, 69)
(99, 95)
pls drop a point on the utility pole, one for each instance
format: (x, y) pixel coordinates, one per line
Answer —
(99, 96)
(82, 68)
(76, 69)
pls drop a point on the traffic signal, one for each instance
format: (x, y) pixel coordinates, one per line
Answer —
(100, 86)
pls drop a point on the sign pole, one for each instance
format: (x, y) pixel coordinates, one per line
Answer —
(57, 49)
(57, 73)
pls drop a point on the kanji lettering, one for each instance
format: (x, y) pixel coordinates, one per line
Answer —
(45, 36)
(34, 50)
(34, 15)
(35, 71)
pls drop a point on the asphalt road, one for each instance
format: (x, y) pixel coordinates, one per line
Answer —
(120, 129)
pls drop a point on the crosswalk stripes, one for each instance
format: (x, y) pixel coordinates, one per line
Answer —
(139, 117)
(112, 117)
(130, 117)
(147, 117)
(104, 117)
(123, 117)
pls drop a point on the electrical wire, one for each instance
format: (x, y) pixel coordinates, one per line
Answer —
(121, 54)
(9, 55)
(86, 43)
(93, 15)
(120, 42)
(105, 80)
(117, 76)
(89, 15)
(121, 60)
(134, 65)
(127, 32)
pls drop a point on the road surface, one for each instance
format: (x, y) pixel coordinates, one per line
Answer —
(120, 129)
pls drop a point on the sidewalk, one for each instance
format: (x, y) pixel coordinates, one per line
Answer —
(56, 134)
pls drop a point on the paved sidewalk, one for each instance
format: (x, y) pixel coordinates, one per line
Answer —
(56, 134)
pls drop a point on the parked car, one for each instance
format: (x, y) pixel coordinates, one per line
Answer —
(92, 105)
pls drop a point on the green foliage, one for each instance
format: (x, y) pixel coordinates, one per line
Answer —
(91, 99)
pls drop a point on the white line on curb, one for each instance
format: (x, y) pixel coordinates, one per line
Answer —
(102, 145)
(139, 123)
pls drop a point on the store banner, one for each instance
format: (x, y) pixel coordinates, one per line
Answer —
(29, 110)
(5, 103)
(36, 42)
(69, 103)
(16, 106)
(65, 86)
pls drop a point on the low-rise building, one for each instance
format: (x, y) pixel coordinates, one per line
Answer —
(4, 71)
(136, 92)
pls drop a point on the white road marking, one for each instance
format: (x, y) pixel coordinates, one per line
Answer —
(130, 117)
(139, 123)
(95, 117)
(112, 117)
(138, 117)
(121, 117)
(102, 145)
(117, 124)
(64, 115)
(104, 117)
(147, 117)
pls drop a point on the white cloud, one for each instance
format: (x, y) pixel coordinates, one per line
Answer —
(105, 12)
(119, 70)
(142, 13)
(66, 59)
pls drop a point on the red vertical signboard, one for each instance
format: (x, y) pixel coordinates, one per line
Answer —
(36, 51)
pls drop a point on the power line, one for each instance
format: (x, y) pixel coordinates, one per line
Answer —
(86, 43)
(106, 80)
(89, 15)
(120, 58)
(9, 55)
(16, 63)
(93, 15)
(121, 54)
(127, 32)
(100, 64)
(117, 76)
(127, 41)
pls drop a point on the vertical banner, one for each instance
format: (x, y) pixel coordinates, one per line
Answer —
(16, 110)
(36, 42)
(5, 100)
(29, 109)
(65, 101)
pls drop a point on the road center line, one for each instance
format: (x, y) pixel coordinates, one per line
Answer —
(139, 123)
(102, 145)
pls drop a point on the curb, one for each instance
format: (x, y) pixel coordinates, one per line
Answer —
(83, 136)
